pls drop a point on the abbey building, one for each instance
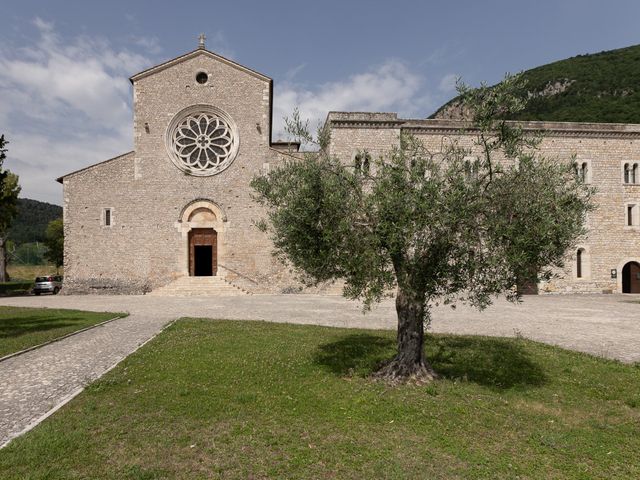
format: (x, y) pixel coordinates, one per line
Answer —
(176, 214)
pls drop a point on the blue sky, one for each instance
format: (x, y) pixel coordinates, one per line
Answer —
(65, 100)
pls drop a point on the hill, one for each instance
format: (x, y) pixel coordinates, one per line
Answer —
(602, 87)
(32, 220)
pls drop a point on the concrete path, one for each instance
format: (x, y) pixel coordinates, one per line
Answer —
(33, 384)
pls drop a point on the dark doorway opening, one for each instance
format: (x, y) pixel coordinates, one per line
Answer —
(203, 258)
(631, 278)
(202, 262)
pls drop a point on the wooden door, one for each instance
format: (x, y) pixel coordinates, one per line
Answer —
(631, 278)
(203, 252)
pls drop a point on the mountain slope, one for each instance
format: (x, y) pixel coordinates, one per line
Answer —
(32, 220)
(601, 87)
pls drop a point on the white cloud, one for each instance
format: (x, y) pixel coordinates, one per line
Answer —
(218, 43)
(390, 87)
(448, 83)
(65, 105)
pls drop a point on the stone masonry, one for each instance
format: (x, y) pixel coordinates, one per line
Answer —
(605, 148)
(153, 204)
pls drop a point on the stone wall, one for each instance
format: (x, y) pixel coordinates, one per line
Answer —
(604, 147)
(146, 245)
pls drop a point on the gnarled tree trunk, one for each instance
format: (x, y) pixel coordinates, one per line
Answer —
(409, 364)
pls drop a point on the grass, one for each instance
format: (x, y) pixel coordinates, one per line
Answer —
(228, 399)
(30, 272)
(22, 328)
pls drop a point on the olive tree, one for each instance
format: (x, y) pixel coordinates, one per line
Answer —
(432, 226)
(9, 190)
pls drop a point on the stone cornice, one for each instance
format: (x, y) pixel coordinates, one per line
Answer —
(455, 127)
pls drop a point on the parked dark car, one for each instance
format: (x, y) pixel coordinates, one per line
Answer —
(49, 284)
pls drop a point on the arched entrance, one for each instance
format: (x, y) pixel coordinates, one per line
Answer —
(202, 226)
(631, 278)
(203, 252)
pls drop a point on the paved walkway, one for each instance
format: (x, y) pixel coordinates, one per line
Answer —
(34, 383)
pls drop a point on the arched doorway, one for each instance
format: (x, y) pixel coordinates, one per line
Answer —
(202, 226)
(631, 278)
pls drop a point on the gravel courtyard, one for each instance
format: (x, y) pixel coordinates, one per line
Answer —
(35, 383)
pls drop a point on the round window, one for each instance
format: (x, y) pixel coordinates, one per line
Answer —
(202, 78)
(202, 140)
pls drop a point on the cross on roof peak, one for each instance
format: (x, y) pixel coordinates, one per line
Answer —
(201, 38)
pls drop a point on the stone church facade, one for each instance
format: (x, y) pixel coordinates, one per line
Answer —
(177, 210)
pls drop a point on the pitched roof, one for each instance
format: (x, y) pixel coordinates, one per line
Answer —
(60, 179)
(193, 54)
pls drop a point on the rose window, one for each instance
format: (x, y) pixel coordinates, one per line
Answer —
(202, 142)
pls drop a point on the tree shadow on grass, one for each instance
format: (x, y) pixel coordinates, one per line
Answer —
(15, 327)
(493, 362)
(356, 354)
(499, 363)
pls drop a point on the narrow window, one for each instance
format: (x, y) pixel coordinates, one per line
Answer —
(471, 168)
(358, 163)
(366, 164)
(579, 264)
(630, 209)
(107, 217)
(362, 163)
(584, 170)
(634, 173)
(627, 173)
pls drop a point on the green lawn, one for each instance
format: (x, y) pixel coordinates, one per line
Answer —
(22, 328)
(228, 399)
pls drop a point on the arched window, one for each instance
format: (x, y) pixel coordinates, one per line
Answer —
(357, 163)
(366, 165)
(579, 263)
(634, 173)
(362, 163)
(471, 168)
(627, 173)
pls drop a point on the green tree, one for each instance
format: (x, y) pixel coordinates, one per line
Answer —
(434, 226)
(9, 190)
(54, 241)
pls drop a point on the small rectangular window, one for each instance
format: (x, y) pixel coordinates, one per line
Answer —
(107, 217)
(630, 215)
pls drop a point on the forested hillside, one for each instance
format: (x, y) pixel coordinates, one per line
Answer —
(32, 220)
(600, 87)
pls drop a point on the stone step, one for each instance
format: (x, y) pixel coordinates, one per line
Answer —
(199, 286)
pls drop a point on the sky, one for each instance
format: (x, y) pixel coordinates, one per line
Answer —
(66, 102)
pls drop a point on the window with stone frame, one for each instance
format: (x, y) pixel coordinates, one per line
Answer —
(582, 266)
(107, 217)
(583, 170)
(471, 168)
(632, 215)
(630, 173)
(202, 140)
(362, 163)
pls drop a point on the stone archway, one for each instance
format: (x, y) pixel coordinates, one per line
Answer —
(631, 278)
(202, 225)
